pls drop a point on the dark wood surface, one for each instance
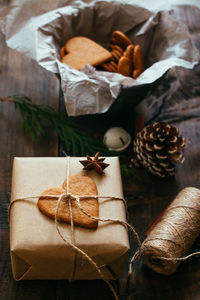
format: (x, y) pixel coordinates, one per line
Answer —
(178, 93)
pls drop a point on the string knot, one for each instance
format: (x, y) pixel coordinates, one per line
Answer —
(66, 197)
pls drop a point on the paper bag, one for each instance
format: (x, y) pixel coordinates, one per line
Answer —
(46, 27)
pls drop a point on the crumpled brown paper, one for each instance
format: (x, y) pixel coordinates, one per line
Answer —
(45, 27)
(37, 251)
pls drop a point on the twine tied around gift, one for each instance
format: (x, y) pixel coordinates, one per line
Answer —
(154, 256)
(69, 197)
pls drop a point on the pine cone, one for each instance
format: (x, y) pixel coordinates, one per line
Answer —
(157, 148)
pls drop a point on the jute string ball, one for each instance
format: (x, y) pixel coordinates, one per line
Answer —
(172, 237)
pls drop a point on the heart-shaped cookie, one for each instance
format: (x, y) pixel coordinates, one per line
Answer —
(81, 51)
(78, 185)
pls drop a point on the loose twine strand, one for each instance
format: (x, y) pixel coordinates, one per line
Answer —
(168, 243)
(179, 258)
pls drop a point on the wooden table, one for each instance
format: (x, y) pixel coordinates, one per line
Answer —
(146, 199)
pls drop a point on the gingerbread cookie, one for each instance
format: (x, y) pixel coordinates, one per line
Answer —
(78, 185)
(107, 67)
(128, 53)
(117, 48)
(138, 61)
(125, 66)
(120, 39)
(62, 52)
(115, 55)
(113, 65)
(116, 52)
(81, 51)
(122, 55)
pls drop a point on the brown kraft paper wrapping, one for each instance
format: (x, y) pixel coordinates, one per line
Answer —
(37, 251)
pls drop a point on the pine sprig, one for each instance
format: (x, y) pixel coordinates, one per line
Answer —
(37, 118)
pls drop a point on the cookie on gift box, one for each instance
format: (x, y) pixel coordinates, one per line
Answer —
(78, 185)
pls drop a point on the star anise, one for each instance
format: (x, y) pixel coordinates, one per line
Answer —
(96, 164)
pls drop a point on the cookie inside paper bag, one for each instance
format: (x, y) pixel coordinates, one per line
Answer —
(78, 185)
(79, 51)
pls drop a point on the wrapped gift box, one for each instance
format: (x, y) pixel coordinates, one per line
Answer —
(37, 251)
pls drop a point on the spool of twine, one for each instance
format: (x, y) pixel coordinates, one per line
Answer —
(172, 237)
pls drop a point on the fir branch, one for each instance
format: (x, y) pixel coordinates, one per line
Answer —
(37, 118)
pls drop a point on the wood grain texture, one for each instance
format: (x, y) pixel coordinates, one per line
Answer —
(20, 75)
(177, 100)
